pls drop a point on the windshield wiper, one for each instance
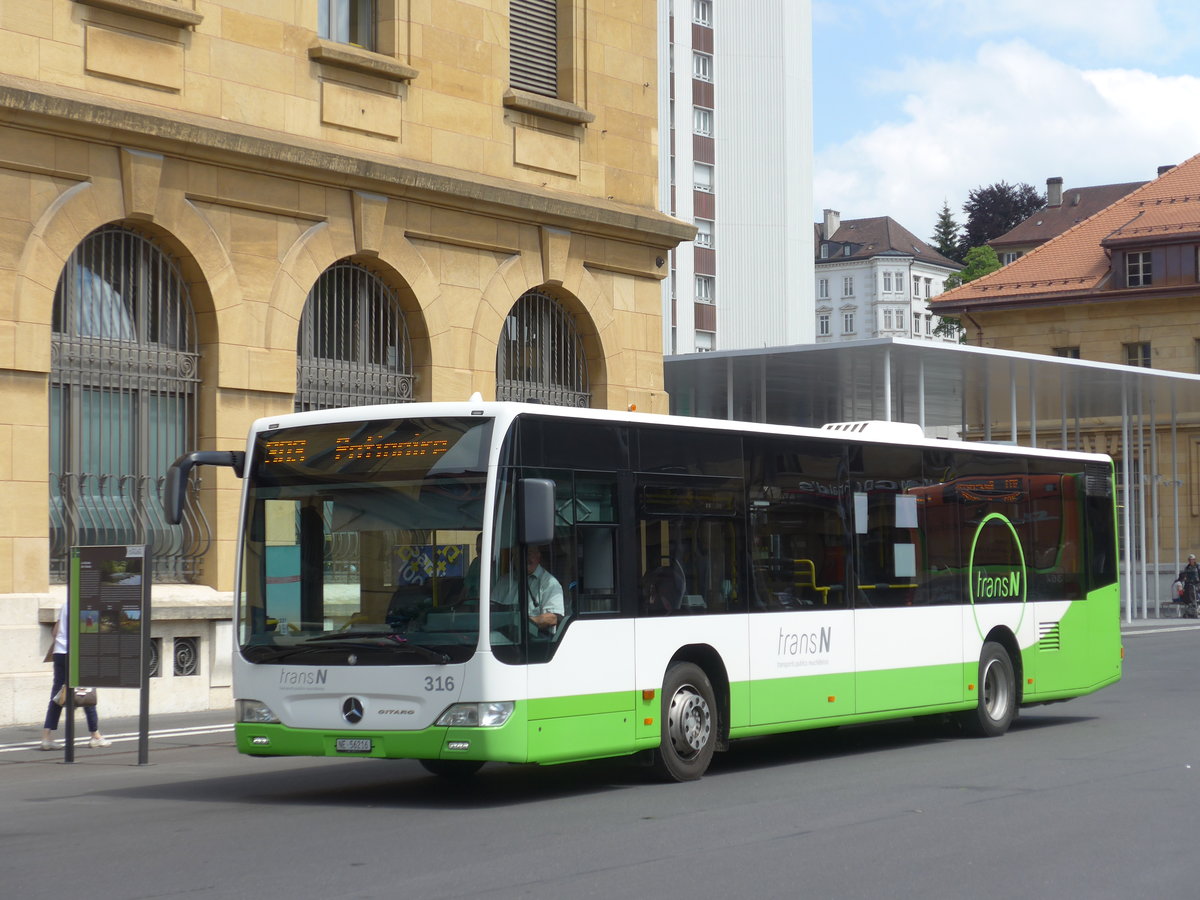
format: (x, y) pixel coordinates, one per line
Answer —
(392, 643)
(335, 636)
(381, 641)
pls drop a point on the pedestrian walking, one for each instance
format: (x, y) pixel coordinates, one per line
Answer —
(58, 655)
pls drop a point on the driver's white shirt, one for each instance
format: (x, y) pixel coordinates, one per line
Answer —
(545, 593)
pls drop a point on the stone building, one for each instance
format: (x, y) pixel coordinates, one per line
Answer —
(1120, 287)
(217, 210)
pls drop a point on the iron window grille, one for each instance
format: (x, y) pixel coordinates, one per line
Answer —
(123, 386)
(354, 347)
(155, 666)
(187, 656)
(540, 356)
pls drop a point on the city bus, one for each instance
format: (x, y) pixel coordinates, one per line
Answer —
(693, 582)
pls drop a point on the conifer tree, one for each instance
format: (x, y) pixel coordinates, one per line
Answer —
(946, 238)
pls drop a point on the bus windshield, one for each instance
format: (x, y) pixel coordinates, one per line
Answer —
(361, 543)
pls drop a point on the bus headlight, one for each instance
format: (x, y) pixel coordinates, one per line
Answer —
(256, 712)
(486, 715)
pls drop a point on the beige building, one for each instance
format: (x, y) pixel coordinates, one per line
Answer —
(216, 210)
(1120, 286)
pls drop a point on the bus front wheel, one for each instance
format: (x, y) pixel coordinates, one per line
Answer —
(997, 687)
(689, 723)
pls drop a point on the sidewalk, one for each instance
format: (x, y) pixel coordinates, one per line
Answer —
(122, 731)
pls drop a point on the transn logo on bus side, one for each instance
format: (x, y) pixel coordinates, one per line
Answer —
(989, 587)
(810, 644)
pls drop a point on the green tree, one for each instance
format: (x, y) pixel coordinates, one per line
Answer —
(978, 262)
(995, 209)
(946, 238)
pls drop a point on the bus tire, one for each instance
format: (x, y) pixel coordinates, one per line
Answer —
(689, 724)
(997, 705)
(451, 768)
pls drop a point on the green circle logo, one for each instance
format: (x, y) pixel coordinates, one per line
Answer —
(996, 567)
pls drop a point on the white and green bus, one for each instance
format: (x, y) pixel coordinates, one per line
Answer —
(718, 580)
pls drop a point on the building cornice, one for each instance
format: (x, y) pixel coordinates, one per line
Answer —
(1033, 301)
(65, 111)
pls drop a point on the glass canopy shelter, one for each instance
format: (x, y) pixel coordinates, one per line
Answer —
(1147, 420)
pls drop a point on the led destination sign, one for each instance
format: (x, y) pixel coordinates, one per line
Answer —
(396, 445)
(378, 446)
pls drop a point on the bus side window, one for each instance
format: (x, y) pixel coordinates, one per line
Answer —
(797, 521)
(690, 566)
(596, 590)
(886, 513)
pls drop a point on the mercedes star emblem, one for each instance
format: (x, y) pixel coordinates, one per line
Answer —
(352, 710)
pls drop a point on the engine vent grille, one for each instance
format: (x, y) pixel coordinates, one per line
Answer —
(1049, 636)
(1098, 480)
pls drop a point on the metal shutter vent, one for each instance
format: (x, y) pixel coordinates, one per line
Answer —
(533, 54)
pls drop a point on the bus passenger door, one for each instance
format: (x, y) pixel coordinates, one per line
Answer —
(908, 632)
(580, 672)
(801, 623)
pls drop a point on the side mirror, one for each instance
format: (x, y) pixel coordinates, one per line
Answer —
(175, 488)
(536, 510)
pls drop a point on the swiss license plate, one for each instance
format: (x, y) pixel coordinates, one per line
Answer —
(352, 745)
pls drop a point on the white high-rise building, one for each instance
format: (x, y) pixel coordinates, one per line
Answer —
(735, 103)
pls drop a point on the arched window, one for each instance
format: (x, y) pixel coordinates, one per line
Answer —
(540, 356)
(122, 402)
(353, 347)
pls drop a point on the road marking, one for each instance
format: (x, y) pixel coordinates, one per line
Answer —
(1159, 630)
(127, 737)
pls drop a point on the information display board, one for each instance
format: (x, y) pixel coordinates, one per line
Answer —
(110, 608)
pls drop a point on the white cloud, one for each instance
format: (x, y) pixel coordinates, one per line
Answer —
(1012, 113)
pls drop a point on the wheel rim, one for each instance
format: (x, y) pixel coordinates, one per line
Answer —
(995, 691)
(689, 722)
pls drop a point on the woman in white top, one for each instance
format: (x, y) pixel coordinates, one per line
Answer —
(53, 711)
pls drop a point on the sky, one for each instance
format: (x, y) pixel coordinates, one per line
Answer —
(916, 102)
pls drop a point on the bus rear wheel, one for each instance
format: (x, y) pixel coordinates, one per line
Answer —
(689, 724)
(997, 687)
(452, 768)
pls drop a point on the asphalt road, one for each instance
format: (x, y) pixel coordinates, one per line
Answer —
(1094, 798)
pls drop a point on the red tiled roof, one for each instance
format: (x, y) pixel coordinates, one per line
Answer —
(1076, 262)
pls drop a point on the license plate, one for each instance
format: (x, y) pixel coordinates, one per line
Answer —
(352, 745)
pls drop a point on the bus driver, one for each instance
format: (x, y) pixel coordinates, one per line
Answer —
(546, 608)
